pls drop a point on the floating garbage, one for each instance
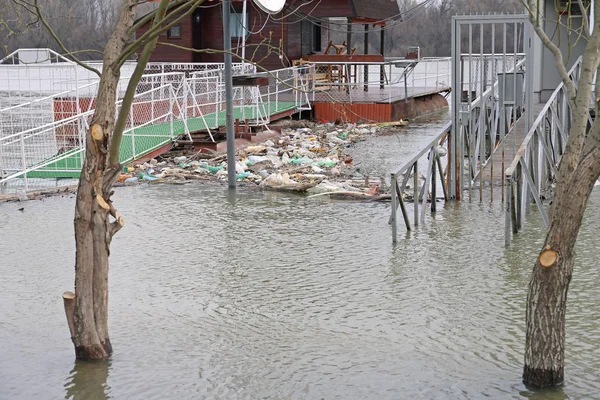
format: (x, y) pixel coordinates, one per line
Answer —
(327, 163)
(213, 170)
(242, 176)
(251, 160)
(179, 160)
(309, 159)
(147, 177)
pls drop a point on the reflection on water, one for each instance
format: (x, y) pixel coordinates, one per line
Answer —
(545, 394)
(281, 296)
(87, 381)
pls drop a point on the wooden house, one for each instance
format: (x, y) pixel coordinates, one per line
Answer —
(300, 30)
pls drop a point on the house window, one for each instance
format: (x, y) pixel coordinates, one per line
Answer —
(174, 32)
(235, 24)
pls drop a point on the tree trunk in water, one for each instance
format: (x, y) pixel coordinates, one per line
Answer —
(549, 285)
(87, 308)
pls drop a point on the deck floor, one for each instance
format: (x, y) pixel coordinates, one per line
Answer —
(374, 94)
(493, 172)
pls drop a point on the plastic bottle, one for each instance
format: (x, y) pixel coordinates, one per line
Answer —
(147, 177)
(242, 176)
(214, 170)
(328, 164)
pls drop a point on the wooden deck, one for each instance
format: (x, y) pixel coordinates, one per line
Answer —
(493, 172)
(375, 104)
(374, 94)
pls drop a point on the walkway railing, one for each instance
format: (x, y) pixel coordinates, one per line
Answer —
(27, 154)
(486, 120)
(434, 176)
(166, 106)
(382, 82)
(535, 165)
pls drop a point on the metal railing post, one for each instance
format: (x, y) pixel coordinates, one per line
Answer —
(437, 74)
(416, 193)
(185, 100)
(507, 208)
(277, 90)
(426, 76)
(406, 88)
(131, 122)
(171, 100)
(389, 84)
(433, 181)
(24, 161)
(394, 201)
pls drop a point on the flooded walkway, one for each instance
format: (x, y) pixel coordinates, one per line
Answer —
(269, 295)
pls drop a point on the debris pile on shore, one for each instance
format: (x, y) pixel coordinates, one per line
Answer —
(311, 160)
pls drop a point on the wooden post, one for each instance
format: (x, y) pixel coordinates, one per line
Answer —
(69, 303)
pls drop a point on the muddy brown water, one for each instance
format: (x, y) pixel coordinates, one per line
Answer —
(268, 295)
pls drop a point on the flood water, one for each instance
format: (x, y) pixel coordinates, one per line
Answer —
(279, 296)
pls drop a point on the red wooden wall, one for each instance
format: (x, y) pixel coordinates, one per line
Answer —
(171, 54)
(276, 30)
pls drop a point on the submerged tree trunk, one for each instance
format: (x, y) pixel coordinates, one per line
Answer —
(87, 308)
(549, 285)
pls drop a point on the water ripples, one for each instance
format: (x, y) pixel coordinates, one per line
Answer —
(280, 296)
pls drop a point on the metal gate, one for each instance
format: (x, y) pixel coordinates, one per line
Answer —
(491, 92)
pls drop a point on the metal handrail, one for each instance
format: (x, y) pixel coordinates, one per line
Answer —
(537, 159)
(434, 174)
(50, 51)
(144, 102)
(513, 165)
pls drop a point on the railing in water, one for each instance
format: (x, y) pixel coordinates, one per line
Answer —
(535, 165)
(434, 175)
(484, 123)
(487, 120)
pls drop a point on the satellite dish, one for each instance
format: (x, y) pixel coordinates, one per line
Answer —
(270, 6)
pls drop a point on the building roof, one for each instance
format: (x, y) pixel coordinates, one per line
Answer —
(375, 9)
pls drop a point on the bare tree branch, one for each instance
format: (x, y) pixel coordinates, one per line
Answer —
(37, 12)
(115, 143)
(148, 17)
(155, 31)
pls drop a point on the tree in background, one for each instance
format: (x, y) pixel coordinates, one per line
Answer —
(81, 25)
(578, 171)
(424, 23)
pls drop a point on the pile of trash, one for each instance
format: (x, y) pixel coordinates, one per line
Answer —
(311, 160)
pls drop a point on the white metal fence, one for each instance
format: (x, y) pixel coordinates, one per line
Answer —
(382, 82)
(171, 100)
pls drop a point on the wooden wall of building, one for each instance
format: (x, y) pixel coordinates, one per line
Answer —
(205, 30)
(171, 54)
